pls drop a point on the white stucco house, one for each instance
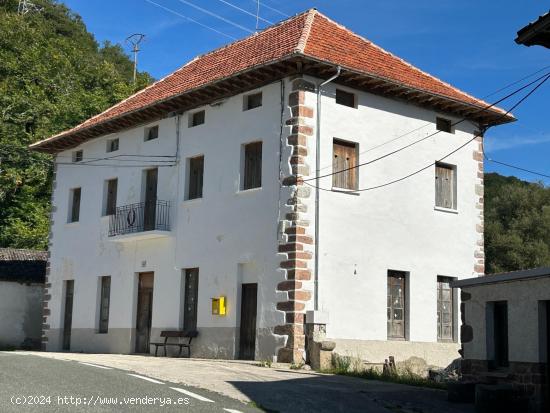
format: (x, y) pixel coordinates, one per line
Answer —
(204, 186)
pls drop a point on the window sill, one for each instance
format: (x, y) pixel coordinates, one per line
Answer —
(397, 339)
(248, 191)
(448, 210)
(345, 191)
(72, 224)
(192, 201)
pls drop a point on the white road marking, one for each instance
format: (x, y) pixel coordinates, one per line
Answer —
(145, 378)
(232, 410)
(191, 394)
(95, 365)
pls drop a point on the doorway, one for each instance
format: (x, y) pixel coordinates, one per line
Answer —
(68, 314)
(144, 312)
(247, 342)
(149, 212)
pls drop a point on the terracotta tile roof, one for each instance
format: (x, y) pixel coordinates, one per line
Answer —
(22, 265)
(311, 35)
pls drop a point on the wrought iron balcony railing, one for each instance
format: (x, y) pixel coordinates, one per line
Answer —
(140, 217)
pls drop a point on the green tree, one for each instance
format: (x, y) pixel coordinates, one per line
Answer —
(517, 224)
(53, 75)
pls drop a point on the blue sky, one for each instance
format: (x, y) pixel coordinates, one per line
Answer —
(467, 43)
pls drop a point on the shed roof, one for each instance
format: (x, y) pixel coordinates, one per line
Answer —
(309, 43)
(23, 265)
(503, 277)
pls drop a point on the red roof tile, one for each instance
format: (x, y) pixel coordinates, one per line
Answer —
(309, 34)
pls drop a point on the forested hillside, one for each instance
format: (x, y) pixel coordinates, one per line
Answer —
(53, 75)
(517, 224)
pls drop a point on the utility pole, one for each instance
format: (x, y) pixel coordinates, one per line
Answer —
(134, 40)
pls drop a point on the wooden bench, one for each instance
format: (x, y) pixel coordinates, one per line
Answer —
(176, 334)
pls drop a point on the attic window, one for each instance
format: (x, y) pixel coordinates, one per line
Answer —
(345, 98)
(112, 145)
(197, 118)
(151, 133)
(77, 156)
(444, 125)
(252, 101)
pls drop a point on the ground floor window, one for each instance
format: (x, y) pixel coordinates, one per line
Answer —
(445, 309)
(396, 305)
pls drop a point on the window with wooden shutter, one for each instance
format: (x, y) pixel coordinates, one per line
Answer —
(396, 305)
(78, 156)
(74, 215)
(104, 303)
(445, 186)
(252, 166)
(112, 145)
(196, 171)
(445, 309)
(345, 98)
(110, 201)
(197, 118)
(444, 125)
(344, 165)
(151, 133)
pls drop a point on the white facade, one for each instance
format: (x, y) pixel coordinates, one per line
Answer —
(232, 236)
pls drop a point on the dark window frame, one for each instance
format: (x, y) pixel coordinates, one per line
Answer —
(111, 191)
(75, 201)
(195, 177)
(197, 118)
(151, 133)
(444, 124)
(78, 156)
(104, 304)
(345, 98)
(113, 145)
(252, 165)
(349, 178)
(252, 101)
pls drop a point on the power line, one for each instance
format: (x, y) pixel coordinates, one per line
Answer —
(190, 19)
(210, 13)
(547, 76)
(516, 82)
(428, 136)
(273, 9)
(245, 11)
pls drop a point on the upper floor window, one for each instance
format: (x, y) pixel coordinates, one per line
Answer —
(195, 178)
(74, 205)
(112, 145)
(344, 164)
(110, 196)
(197, 118)
(252, 101)
(346, 98)
(78, 156)
(151, 133)
(445, 186)
(444, 124)
(252, 166)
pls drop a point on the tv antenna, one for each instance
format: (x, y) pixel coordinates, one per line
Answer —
(26, 6)
(257, 14)
(134, 40)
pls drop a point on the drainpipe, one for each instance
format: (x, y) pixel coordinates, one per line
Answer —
(317, 184)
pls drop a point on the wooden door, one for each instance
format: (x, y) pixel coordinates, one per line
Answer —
(151, 179)
(68, 314)
(191, 297)
(144, 312)
(247, 342)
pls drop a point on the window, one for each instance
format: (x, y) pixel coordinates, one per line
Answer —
(195, 179)
(445, 186)
(104, 301)
(396, 305)
(110, 196)
(78, 156)
(112, 145)
(197, 118)
(445, 309)
(252, 101)
(497, 333)
(190, 299)
(345, 98)
(444, 125)
(74, 207)
(344, 160)
(252, 166)
(151, 133)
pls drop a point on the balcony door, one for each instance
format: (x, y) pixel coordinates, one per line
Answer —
(149, 212)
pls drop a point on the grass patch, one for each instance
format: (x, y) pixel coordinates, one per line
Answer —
(348, 366)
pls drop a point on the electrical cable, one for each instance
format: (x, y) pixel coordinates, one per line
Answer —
(210, 13)
(245, 11)
(273, 9)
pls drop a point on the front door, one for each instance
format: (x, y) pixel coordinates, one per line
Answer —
(144, 312)
(68, 315)
(149, 213)
(247, 342)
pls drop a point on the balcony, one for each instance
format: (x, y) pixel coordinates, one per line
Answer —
(143, 220)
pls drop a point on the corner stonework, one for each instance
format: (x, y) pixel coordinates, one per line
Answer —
(479, 251)
(297, 238)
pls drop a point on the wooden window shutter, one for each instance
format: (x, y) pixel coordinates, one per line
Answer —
(253, 166)
(104, 304)
(445, 184)
(196, 171)
(75, 210)
(344, 158)
(112, 185)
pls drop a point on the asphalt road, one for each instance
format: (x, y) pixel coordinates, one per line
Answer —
(33, 384)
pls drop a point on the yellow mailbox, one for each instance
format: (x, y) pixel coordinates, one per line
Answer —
(218, 305)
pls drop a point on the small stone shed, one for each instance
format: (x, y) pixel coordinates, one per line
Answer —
(505, 332)
(22, 275)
